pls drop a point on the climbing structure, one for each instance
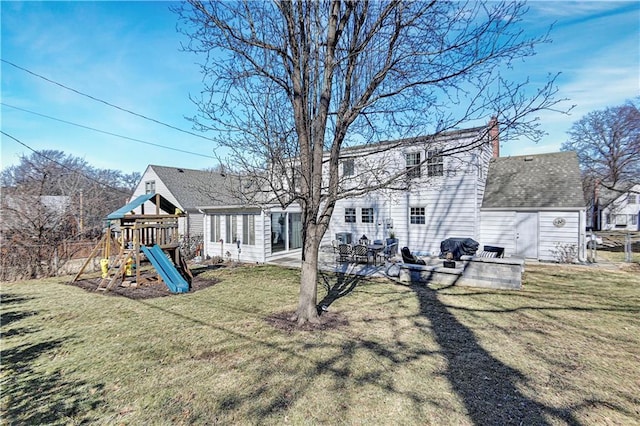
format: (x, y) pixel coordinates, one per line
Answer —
(153, 235)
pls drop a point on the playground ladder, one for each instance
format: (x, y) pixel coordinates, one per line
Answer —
(123, 257)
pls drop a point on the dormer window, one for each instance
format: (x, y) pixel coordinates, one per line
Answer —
(413, 164)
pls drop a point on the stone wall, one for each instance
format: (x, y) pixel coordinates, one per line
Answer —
(470, 271)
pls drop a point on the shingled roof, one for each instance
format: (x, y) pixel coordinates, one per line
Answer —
(193, 188)
(534, 181)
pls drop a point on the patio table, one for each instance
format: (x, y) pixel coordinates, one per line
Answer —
(375, 249)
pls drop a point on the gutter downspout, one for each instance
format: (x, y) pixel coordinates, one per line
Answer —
(582, 244)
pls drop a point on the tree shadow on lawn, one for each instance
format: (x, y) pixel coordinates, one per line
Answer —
(344, 285)
(487, 387)
(32, 396)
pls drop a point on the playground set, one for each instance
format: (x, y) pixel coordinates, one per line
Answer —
(128, 236)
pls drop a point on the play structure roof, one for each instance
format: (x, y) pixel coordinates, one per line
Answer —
(165, 205)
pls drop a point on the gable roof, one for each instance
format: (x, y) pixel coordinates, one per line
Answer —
(193, 188)
(534, 181)
(607, 196)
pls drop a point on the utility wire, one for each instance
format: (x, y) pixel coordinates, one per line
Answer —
(105, 132)
(104, 102)
(66, 167)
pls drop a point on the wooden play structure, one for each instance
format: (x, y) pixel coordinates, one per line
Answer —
(129, 236)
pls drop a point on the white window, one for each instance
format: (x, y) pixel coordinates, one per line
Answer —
(150, 187)
(215, 228)
(413, 164)
(249, 229)
(231, 223)
(350, 215)
(417, 215)
(367, 215)
(435, 163)
(348, 167)
(621, 219)
(633, 219)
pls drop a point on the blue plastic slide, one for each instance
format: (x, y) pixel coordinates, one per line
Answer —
(172, 278)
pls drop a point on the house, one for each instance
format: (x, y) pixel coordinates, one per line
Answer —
(529, 205)
(26, 211)
(534, 205)
(186, 189)
(441, 198)
(618, 210)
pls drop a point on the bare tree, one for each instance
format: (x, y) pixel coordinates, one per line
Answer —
(608, 146)
(50, 200)
(290, 84)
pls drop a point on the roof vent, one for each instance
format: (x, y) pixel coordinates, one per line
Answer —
(528, 158)
(180, 171)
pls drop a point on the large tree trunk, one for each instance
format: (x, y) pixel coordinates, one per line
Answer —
(308, 300)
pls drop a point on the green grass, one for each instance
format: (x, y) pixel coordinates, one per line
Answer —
(564, 350)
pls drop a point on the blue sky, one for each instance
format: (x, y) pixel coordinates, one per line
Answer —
(127, 54)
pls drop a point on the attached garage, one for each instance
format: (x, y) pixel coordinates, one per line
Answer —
(534, 206)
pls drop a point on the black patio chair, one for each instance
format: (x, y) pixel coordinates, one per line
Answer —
(407, 257)
(360, 253)
(344, 252)
(388, 252)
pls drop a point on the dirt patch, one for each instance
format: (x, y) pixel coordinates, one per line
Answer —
(630, 267)
(146, 291)
(328, 321)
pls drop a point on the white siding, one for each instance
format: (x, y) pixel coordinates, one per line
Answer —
(226, 250)
(195, 220)
(498, 229)
(551, 237)
(624, 216)
(194, 224)
(451, 205)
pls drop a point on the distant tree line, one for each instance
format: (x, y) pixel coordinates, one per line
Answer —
(51, 204)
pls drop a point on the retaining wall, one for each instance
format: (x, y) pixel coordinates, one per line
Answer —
(470, 271)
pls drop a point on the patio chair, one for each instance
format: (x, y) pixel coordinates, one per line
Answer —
(388, 252)
(407, 257)
(344, 252)
(360, 252)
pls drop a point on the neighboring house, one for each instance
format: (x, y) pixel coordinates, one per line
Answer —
(534, 205)
(186, 189)
(618, 210)
(28, 211)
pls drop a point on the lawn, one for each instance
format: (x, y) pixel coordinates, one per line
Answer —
(563, 350)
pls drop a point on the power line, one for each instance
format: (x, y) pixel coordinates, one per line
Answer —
(103, 101)
(65, 167)
(106, 132)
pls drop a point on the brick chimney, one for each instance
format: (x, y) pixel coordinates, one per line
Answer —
(494, 136)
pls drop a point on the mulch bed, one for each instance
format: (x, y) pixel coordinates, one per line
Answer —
(328, 321)
(146, 291)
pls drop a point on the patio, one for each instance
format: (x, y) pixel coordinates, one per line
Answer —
(327, 262)
(496, 273)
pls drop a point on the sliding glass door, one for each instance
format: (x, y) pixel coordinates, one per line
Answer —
(286, 231)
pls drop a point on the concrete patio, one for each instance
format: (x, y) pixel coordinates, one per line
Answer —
(327, 262)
